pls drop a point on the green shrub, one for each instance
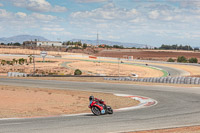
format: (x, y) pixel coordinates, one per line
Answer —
(182, 59)
(170, 60)
(77, 72)
(193, 60)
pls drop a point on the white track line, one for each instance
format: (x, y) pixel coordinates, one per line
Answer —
(144, 102)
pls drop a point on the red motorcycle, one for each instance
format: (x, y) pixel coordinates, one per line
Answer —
(100, 108)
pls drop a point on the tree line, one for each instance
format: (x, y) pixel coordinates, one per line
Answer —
(20, 61)
(177, 47)
(11, 44)
(79, 44)
(183, 59)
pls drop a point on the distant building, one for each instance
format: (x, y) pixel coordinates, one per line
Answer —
(42, 43)
(30, 43)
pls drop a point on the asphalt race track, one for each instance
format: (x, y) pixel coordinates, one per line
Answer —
(176, 107)
(173, 72)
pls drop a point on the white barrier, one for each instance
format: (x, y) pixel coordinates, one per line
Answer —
(172, 80)
(16, 74)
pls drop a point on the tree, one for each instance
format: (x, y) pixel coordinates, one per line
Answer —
(14, 61)
(84, 46)
(8, 62)
(30, 58)
(3, 62)
(193, 60)
(170, 60)
(16, 44)
(182, 59)
(77, 72)
(117, 46)
(21, 61)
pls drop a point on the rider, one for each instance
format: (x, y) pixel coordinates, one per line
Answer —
(99, 101)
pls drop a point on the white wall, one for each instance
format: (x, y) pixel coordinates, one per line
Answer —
(48, 43)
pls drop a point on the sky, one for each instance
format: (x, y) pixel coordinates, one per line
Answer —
(152, 22)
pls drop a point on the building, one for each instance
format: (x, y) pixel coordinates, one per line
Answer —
(30, 43)
(49, 43)
(42, 43)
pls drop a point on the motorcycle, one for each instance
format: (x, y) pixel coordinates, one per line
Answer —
(100, 109)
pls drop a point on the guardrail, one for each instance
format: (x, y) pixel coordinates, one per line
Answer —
(172, 80)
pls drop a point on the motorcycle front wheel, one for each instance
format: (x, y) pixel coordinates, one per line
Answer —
(96, 111)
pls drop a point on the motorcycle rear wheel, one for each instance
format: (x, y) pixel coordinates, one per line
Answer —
(109, 110)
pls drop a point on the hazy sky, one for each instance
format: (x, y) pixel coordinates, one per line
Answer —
(152, 22)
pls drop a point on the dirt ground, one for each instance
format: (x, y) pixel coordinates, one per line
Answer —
(53, 66)
(22, 51)
(50, 66)
(32, 102)
(193, 129)
(162, 55)
(112, 69)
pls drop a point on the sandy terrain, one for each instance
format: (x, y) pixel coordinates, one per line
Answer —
(163, 55)
(111, 69)
(194, 129)
(40, 67)
(18, 50)
(54, 67)
(31, 102)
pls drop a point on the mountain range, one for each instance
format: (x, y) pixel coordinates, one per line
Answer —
(111, 43)
(21, 39)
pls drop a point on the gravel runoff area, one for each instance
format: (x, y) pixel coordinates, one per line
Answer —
(192, 129)
(28, 102)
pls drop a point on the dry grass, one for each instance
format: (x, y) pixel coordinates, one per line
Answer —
(111, 69)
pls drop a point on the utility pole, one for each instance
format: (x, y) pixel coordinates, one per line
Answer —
(118, 66)
(34, 65)
(97, 47)
(97, 38)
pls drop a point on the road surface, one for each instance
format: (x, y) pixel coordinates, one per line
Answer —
(176, 107)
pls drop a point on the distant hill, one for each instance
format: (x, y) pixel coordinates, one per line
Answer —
(111, 43)
(21, 39)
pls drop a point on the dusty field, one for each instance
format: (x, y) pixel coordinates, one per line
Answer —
(194, 129)
(54, 67)
(40, 68)
(111, 69)
(31, 102)
(162, 55)
(30, 51)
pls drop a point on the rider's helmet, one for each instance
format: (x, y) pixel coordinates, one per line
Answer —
(91, 98)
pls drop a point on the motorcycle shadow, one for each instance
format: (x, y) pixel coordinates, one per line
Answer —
(105, 115)
(89, 115)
